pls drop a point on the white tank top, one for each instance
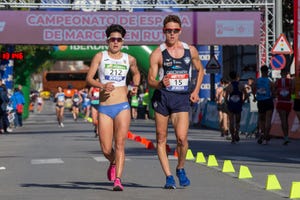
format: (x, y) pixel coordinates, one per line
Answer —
(113, 70)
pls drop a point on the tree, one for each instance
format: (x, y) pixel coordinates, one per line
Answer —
(36, 58)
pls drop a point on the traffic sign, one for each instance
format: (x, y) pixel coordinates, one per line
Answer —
(213, 65)
(278, 62)
(282, 46)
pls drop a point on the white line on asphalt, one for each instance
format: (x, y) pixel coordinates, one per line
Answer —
(103, 159)
(2, 168)
(47, 161)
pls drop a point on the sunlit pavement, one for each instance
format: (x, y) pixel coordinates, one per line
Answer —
(44, 161)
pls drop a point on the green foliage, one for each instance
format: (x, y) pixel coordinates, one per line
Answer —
(36, 59)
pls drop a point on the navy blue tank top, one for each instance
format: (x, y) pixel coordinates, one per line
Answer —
(178, 70)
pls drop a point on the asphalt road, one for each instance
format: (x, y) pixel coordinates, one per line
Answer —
(42, 161)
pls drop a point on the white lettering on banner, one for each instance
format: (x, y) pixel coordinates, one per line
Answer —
(150, 21)
(234, 28)
(99, 35)
(205, 86)
(53, 34)
(69, 20)
(207, 57)
(133, 35)
(88, 47)
(96, 24)
(83, 35)
(152, 35)
(91, 47)
(129, 20)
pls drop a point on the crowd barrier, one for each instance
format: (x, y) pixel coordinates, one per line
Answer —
(210, 118)
(248, 125)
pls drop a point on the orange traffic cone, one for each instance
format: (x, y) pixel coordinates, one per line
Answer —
(175, 153)
(138, 138)
(130, 135)
(144, 141)
(149, 145)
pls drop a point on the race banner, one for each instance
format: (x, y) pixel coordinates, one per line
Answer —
(78, 27)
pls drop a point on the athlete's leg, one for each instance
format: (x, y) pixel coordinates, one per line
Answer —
(237, 122)
(121, 127)
(57, 114)
(221, 122)
(262, 121)
(88, 111)
(61, 115)
(269, 114)
(161, 140)
(105, 129)
(231, 126)
(225, 123)
(180, 123)
(283, 115)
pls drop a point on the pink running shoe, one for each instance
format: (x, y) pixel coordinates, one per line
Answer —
(118, 185)
(111, 172)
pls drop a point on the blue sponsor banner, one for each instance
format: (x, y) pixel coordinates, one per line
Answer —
(6, 73)
(204, 53)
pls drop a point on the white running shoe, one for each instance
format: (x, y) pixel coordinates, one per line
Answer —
(9, 130)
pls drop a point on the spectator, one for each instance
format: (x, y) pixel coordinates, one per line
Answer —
(235, 96)
(264, 91)
(4, 100)
(222, 108)
(18, 102)
(284, 104)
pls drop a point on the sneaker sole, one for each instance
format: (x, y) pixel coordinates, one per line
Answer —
(185, 185)
(171, 187)
(117, 188)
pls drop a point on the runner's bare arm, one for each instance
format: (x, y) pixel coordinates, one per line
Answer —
(155, 60)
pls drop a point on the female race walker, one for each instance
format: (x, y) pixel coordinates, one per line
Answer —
(114, 110)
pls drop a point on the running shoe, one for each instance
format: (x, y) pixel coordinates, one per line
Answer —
(286, 142)
(118, 185)
(183, 179)
(111, 172)
(237, 137)
(170, 183)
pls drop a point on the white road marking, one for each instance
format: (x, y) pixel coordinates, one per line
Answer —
(103, 159)
(47, 161)
(2, 168)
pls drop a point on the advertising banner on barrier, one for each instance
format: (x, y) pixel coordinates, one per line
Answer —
(204, 53)
(78, 27)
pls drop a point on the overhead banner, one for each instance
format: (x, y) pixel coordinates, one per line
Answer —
(77, 27)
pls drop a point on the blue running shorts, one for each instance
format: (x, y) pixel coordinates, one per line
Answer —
(166, 103)
(113, 110)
